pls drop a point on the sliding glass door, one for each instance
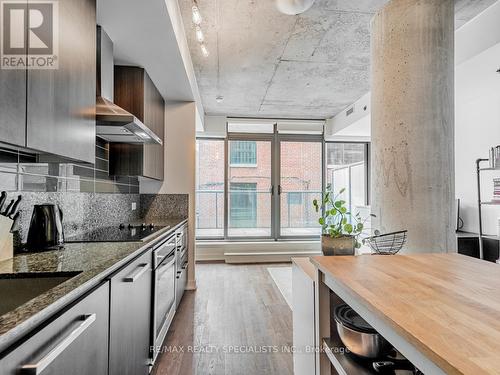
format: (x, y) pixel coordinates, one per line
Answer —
(249, 184)
(259, 184)
(210, 164)
(300, 182)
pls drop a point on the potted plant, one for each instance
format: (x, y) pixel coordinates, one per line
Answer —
(340, 228)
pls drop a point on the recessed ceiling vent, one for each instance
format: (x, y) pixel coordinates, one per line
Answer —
(350, 111)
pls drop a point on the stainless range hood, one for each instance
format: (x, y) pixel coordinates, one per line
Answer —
(113, 123)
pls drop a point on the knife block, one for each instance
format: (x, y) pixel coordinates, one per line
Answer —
(6, 238)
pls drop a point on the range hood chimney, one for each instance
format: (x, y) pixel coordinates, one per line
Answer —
(113, 123)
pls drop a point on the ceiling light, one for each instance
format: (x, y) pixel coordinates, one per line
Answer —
(293, 7)
(196, 15)
(219, 98)
(199, 35)
(204, 50)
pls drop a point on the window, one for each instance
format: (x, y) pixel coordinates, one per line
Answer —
(347, 168)
(243, 153)
(243, 213)
(301, 179)
(249, 196)
(210, 188)
(261, 185)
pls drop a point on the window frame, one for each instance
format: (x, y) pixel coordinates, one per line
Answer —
(276, 140)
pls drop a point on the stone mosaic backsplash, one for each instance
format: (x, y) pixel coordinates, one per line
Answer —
(157, 206)
(86, 211)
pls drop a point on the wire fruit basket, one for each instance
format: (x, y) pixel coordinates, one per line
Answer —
(388, 243)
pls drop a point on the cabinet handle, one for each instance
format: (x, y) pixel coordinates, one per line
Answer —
(134, 277)
(37, 368)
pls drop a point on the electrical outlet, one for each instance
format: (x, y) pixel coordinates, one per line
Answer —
(134, 206)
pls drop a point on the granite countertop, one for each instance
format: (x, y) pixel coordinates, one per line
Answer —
(94, 260)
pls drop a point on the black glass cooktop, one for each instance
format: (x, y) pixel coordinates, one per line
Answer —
(122, 233)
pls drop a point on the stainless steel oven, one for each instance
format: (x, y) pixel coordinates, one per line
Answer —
(164, 272)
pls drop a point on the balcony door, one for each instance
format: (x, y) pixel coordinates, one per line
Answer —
(272, 180)
(249, 187)
(300, 182)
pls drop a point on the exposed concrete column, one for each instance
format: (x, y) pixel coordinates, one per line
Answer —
(413, 122)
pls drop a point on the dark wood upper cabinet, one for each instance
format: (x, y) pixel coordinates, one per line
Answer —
(135, 92)
(61, 102)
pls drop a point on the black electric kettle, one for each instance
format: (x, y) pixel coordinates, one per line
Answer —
(46, 229)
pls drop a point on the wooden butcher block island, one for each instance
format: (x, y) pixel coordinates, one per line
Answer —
(441, 311)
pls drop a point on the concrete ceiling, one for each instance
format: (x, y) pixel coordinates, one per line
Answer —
(265, 63)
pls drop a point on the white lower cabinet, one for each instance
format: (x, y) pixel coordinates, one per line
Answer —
(303, 322)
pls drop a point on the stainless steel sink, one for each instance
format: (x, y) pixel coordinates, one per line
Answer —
(17, 289)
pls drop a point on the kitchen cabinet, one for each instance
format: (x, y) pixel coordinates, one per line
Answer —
(75, 342)
(135, 92)
(13, 107)
(130, 323)
(61, 102)
(53, 110)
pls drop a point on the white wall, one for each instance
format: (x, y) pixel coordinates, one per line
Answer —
(180, 166)
(478, 34)
(477, 128)
(477, 113)
(353, 127)
(215, 127)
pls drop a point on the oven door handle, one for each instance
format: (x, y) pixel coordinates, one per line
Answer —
(165, 263)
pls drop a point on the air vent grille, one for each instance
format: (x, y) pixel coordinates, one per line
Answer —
(350, 111)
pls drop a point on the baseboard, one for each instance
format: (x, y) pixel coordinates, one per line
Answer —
(191, 285)
(255, 252)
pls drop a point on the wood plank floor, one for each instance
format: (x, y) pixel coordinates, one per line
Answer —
(237, 322)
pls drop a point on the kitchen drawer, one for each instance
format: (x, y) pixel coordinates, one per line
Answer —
(130, 318)
(75, 342)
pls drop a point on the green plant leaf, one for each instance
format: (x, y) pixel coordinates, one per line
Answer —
(343, 210)
(344, 220)
(341, 190)
(321, 221)
(338, 204)
(360, 227)
(348, 228)
(333, 211)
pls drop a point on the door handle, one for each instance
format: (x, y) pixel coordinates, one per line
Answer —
(272, 189)
(135, 276)
(279, 189)
(41, 365)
